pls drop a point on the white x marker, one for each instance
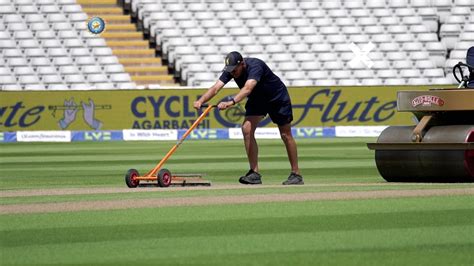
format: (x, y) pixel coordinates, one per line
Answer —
(361, 55)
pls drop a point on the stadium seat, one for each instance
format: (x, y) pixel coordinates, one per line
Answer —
(4, 71)
(309, 5)
(8, 79)
(348, 82)
(97, 78)
(429, 16)
(46, 70)
(433, 73)
(318, 74)
(242, 6)
(24, 70)
(40, 60)
(80, 86)
(122, 77)
(62, 60)
(418, 81)
(35, 86)
(91, 69)
(425, 64)
(11, 87)
(437, 52)
(380, 38)
(202, 77)
(28, 79)
(410, 73)
(359, 13)
(13, 52)
(364, 74)
(126, 85)
(371, 82)
(52, 79)
(355, 4)
(402, 64)
(17, 61)
(305, 57)
(387, 73)
(114, 68)
(420, 3)
(441, 81)
(104, 86)
(395, 81)
(341, 74)
(302, 83)
(333, 65)
(427, 37)
(252, 49)
(325, 82)
(311, 65)
(239, 32)
(295, 14)
(294, 75)
(375, 4)
(287, 66)
(41, 32)
(450, 34)
(205, 50)
(443, 7)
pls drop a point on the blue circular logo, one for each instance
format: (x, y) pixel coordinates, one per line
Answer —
(96, 25)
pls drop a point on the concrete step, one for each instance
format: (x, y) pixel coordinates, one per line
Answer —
(128, 44)
(116, 19)
(150, 61)
(103, 11)
(121, 28)
(147, 70)
(153, 79)
(122, 36)
(97, 3)
(134, 52)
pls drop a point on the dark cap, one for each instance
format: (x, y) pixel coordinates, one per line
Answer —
(232, 60)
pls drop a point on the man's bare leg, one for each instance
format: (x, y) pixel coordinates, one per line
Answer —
(248, 130)
(291, 149)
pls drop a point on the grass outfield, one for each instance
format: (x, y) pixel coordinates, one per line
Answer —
(425, 230)
(104, 164)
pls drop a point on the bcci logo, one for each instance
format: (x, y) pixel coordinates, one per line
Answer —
(96, 25)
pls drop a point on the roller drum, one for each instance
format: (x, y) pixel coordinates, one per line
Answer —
(419, 165)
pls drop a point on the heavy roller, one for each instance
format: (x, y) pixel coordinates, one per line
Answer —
(440, 147)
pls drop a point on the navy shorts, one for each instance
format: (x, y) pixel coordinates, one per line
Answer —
(280, 112)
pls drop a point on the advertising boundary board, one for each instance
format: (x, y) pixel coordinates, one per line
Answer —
(175, 134)
(173, 109)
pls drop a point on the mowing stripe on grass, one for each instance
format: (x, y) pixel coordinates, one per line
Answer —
(310, 222)
(102, 190)
(218, 200)
(96, 194)
(298, 238)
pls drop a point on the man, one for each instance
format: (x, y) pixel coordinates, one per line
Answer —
(266, 94)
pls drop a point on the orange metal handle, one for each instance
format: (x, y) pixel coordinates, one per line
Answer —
(185, 135)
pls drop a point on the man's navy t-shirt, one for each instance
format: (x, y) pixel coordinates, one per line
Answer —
(269, 87)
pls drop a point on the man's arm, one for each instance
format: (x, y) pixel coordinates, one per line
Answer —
(243, 93)
(211, 92)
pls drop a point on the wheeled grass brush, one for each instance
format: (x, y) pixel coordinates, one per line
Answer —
(162, 176)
